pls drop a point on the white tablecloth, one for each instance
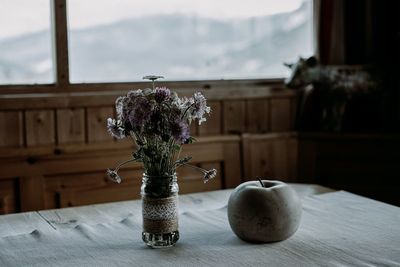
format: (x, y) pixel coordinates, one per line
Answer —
(337, 229)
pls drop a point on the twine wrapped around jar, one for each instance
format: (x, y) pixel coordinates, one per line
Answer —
(160, 210)
(160, 215)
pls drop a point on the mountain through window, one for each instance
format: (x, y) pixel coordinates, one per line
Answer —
(25, 42)
(118, 41)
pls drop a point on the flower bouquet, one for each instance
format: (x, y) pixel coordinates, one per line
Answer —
(158, 121)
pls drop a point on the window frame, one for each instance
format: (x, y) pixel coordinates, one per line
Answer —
(62, 82)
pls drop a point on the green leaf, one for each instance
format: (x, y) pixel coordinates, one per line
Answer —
(191, 140)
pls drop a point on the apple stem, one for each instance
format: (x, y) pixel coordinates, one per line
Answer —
(260, 181)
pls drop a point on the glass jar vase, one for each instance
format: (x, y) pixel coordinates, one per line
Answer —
(160, 210)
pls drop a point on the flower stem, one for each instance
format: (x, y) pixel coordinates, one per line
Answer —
(194, 167)
(122, 164)
(262, 185)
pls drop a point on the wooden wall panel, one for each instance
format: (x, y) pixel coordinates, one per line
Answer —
(270, 157)
(40, 128)
(88, 188)
(281, 114)
(213, 125)
(362, 164)
(258, 160)
(232, 165)
(293, 113)
(97, 122)
(71, 180)
(31, 190)
(307, 161)
(8, 196)
(11, 129)
(71, 126)
(289, 157)
(72, 198)
(68, 190)
(56, 184)
(65, 151)
(257, 116)
(234, 116)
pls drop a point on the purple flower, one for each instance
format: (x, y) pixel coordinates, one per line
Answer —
(161, 94)
(140, 113)
(180, 131)
(200, 107)
(115, 128)
(159, 122)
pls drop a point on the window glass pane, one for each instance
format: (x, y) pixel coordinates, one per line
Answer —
(25, 42)
(115, 41)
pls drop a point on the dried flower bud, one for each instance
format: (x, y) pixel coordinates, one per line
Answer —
(113, 176)
(209, 175)
(152, 77)
(115, 128)
(161, 94)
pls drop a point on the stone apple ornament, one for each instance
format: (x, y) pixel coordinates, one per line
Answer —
(264, 211)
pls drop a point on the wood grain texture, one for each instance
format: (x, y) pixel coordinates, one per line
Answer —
(40, 127)
(99, 160)
(281, 114)
(31, 193)
(77, 177)
(213, 125)
(272, 158)
(8, 196)
(59, 17)
(11, 129)
(307, 160)
(219, 90)
(293, 113)
(234, 116)
(97, 122)
(96, 191)
(70, 126)
(89, 188)
(257, 116)
(72, 198)
(58, 183)
(191, 180)
(232, 165)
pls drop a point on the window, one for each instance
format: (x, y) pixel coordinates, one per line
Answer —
(25, 42)
(123, 40)
(117, 41)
